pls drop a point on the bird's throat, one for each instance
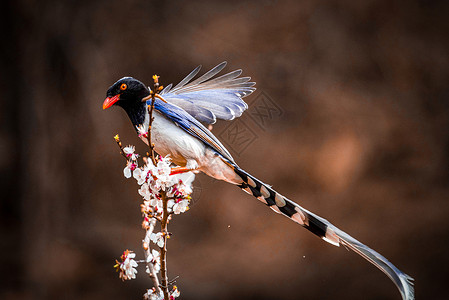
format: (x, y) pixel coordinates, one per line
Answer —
(136, 113)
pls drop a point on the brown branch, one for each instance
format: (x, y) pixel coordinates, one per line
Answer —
(153, 94)
(160, 97)
(164, 223)
(150, 143)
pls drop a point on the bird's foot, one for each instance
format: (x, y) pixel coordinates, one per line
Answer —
(179, 170)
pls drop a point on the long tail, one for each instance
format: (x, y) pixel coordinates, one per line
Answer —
(324, 229)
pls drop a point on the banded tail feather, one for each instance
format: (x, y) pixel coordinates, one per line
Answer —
(324, 229)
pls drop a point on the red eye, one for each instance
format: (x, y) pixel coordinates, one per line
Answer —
(123, 86)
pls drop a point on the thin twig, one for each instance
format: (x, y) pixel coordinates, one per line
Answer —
(152, 96)
(119, 143)
(173, 280)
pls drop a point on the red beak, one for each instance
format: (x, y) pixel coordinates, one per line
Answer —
(109, 101)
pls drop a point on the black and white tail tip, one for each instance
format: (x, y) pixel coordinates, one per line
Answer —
(324, 229)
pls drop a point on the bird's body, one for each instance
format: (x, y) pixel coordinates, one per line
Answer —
(177, 131)
(186, 150)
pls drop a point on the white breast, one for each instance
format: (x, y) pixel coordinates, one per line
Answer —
(185, 149)
(168, 138)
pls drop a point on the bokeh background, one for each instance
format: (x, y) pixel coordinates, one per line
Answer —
(360, 135)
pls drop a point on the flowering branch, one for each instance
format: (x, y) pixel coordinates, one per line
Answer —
(164, 193)
(119, 143)
(153, 94)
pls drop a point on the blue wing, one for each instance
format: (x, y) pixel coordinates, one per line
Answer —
(208, 99)
(185, 121)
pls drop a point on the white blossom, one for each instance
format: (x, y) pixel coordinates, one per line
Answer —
(151, 294)
(130, 166)
(181, 206)
(127, 171)
(155, 186)
(142, 174)
(145, 192)
(155, 258)
(142, 131)
(175, 292)
(157, 238)
(129, 149)
(183, 186)
(162, 173)
(137, 174)
(146, 222)
(129, 152)
(146, 241)
(127, 266)
(184, 189)
(157, 204)
(170, 204)
(145, 207)
(187, 178)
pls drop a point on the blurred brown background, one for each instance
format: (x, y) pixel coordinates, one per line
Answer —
(359, 134)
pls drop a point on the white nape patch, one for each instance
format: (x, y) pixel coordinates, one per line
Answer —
(297, 218)
(251, 182)
(276, 209)
(331, 237)
(301, 216)
(247, 190)
(262, 199)
(264, 192)
(280, 201)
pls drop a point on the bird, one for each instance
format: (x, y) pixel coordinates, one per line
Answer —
(178, 129)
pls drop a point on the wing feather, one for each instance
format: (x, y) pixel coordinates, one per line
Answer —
(208, 99)
(188, 77)
(214, 71)
(191, 125)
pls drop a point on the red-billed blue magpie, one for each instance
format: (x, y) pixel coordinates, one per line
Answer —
(177, 131)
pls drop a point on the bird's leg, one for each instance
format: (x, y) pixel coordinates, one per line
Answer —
(179, 170)
(191, 165)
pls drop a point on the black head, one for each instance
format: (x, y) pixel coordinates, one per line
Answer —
(128, 93)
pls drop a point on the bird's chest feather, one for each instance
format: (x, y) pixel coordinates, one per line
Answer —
(168, 138)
